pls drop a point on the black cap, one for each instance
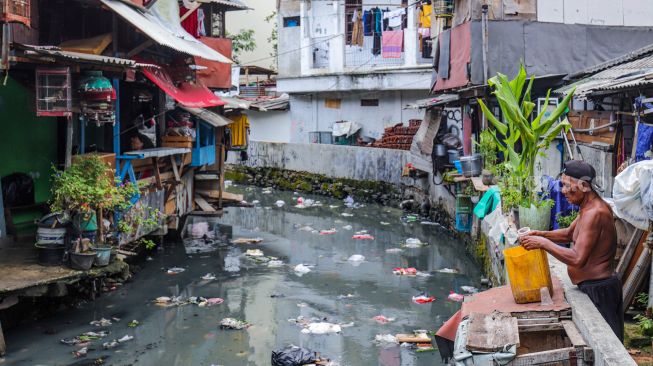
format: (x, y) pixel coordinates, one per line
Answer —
(580, 170)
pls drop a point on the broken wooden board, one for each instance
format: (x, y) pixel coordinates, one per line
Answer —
(215, 194)
(478, 184)
(205, 206)
(411, 338)
(492, 332)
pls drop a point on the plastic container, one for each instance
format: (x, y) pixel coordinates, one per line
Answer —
(49, 254)
(458, 166)
(48, 236)
(528, 272)
(453, 156)
(535, 218)
(464, 222)
(85, 222)
(82, 261)
(102, 256)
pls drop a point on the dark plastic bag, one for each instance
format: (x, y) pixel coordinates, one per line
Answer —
(17, 190)
(292, 356)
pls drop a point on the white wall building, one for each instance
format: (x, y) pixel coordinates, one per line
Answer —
(330, 77)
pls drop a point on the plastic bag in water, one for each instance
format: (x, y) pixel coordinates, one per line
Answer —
(292, 356)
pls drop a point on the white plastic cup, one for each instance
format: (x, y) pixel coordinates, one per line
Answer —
(523, 232)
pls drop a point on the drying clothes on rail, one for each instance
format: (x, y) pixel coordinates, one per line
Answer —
(357, 33)
(394, 17)
(239, 130)
(392, 43)
(425, 16)
(367, 22)
(377, 24)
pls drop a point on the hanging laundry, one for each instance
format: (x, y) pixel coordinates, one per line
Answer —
(377, 25)
(190, 24)
(367, 23)
(394, 17)
(425, 16)
(201, 29)
(392, 43)
(378, 21)
(239, 130)
(357, 34)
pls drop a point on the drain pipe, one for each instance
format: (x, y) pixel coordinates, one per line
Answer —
(484, 35)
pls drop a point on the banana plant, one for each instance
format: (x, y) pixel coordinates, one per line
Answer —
(515, 126)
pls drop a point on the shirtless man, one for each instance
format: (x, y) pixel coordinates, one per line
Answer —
(590, 260)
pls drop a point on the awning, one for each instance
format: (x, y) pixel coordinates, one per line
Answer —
(41, 52)
(232, 4)
(161, 23)
(235, 103)
(437, 100)
(186, 94)
(209, 117)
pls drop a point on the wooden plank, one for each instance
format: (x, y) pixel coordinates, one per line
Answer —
(158, 152)
(628, 253)
(521, 322)
(410, 338)
(540, 327)
(545, 357)
(215, 194)
(491, 332)
(205, 206)
(636, 277)
(573, 334)
(157, 173)
(151, 180)
(633, 260)
(478, 184)
(175, 171)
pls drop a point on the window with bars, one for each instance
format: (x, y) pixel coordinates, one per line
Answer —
(350, 7)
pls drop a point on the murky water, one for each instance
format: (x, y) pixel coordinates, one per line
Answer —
(190, 335)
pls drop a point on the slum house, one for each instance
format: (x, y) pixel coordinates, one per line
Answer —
(90, 77)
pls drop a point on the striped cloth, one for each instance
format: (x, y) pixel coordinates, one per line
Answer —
(392, 44)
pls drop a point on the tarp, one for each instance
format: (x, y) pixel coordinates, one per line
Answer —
(161, 23)
(186, 94)
(215, 74)
(459, 58)
(208, 116)
(95, 45)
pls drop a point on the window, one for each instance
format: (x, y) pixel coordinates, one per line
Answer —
(289, 22)
(332, 103)
(369, 102)
(350, 7)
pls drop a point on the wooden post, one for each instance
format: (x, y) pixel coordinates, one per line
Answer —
(100, 219)
(222, 153)
(69, 141)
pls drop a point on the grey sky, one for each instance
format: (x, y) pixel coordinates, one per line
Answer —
(254, 19)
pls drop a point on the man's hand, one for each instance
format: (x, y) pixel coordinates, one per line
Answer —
(531, 242)
(536, 233)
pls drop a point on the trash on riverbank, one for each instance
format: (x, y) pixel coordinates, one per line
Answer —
(347, 214)
(293, 356)
(84, 337)
(301, 269)
(448, 270)
(208, 277)
(322, 328)
(80, 352)
(469, 289)
(455, 297)
(423, 299)
(254, 253)
(166, 301)
(349, 201)
(383, 320)
(247, 241)
(363, 237)
(280, 203)
(409, 218)
(275, 263)
(101, 323)
(410, 271)
(235, 324)
(211, 302)
(116, 342)
(356, 258)
(382, 339)
(394, 250)
(328, 232)
(175, 270)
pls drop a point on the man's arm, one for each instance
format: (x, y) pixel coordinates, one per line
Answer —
(565, 235)
(583, 246)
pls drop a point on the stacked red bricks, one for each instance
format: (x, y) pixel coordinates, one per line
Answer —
(399, 136)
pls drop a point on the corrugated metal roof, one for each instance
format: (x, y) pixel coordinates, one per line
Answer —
(57, 52)
(437, 100)
(211, 118)
(636, 73)
(615, 61)
(236, 4)
(161, 24)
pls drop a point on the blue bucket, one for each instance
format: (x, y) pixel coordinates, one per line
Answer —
(102, 256)
(458, 166)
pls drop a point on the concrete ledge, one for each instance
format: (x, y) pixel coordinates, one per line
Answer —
(608, 351)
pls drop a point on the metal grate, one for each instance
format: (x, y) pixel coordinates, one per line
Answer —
(53, 92)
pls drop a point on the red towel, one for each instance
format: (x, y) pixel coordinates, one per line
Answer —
(392, 43)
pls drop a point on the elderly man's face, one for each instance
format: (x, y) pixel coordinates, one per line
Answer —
(574, 189)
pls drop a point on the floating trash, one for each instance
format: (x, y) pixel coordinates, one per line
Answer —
(101, 323)
(423, 299)
(384, 223)
(231, 323)
(356, 258)
(280, 203)
(409, 271)
(469, 289)
(328, 232)
(275, 263)
(175, 270)
(247, 241)
(347, 214)
(322, 328)
(348, 296)
(455, 297)
(385, 339)
(133, 324)
(347, 227)
(383, 320)
(363, 237)
(301, 269)
(394, 250)
(447, 270)
(254, 253)
(208, 277)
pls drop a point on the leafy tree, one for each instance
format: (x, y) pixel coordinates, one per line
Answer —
(242, 41)
(273, 39)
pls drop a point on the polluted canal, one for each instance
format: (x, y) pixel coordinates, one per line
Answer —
(308, 269)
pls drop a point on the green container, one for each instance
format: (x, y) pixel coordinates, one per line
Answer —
(464, 205)
(85, 222)
(536, 218)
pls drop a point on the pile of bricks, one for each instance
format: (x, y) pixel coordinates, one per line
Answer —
(399, 136)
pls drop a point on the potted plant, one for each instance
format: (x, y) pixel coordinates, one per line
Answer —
(487, 148)
(521, 140)
(88, 189)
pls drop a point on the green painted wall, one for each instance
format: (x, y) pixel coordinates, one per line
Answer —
(28, 143)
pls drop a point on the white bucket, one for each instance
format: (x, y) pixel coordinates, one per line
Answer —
(50, 236)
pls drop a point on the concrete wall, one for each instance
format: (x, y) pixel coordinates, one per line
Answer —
(360, 163)
(271, 126)
(598, 12)
(308, 112)
(288, 61)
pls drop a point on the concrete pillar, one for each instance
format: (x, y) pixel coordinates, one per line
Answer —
(410, 38)
(306, 58)
(337, 44)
